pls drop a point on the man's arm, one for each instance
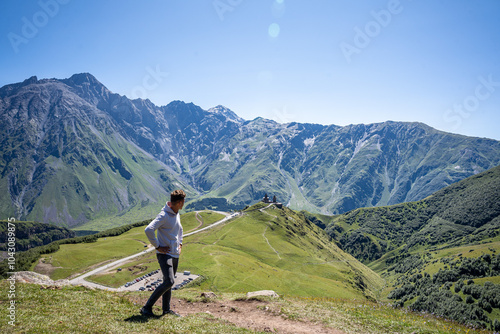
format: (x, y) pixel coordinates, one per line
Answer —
(150, 233)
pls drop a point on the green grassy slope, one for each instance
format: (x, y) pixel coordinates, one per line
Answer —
(463, 213)
(71, 259)
(276, 249)
(279, 250)
(426, 250)
(271, 249)
(80, 310)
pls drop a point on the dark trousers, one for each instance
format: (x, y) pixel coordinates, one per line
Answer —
(168, 267)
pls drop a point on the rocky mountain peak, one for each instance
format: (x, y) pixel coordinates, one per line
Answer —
(30, 81)
(88, 87)
(71, 127)
(82, 79)
(228, 113)
(10, 89)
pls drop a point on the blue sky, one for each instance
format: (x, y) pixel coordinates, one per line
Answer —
(320, 61)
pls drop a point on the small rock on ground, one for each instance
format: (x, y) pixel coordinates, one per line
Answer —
(208, 295)
(264, 293)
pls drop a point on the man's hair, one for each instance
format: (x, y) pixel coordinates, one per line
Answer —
(177, 195)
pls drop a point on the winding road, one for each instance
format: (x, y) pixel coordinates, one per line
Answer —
(80, 280)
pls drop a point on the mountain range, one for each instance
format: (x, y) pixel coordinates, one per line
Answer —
(73, 151)
(464, 213)
(435, 256)
(439, 255)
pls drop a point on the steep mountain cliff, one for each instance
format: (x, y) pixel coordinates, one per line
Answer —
(73, 151)
(66, 161)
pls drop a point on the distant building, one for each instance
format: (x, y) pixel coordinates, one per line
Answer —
(266, 199)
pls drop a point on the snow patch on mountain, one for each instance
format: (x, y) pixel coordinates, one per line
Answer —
(224, 156)
(228, 113)
(309, 142)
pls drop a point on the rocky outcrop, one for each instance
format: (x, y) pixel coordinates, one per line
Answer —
(262, 293)
(36, 278)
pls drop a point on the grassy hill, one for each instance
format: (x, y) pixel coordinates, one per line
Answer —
(321, 287)
(80, 310)
(271, 248)
(76, 258)
(276, 249)
(430, 249)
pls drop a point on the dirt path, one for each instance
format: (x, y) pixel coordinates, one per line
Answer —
(267, 213)
(264, 235)
(200, 220)
(142, 242)
(252, 314)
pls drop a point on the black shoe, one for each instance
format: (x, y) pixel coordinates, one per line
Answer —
(170, 312)
(147, 312)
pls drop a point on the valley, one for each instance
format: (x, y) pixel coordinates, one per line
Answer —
(385, 227)
(329, 291)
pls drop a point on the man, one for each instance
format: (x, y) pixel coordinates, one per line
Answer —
(168, 244)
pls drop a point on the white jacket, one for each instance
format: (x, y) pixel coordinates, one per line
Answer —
(168, 224)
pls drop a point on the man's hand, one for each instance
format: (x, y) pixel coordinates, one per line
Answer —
(180, 248)
(163, 249)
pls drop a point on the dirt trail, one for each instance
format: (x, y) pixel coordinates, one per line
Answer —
(200, 221)
(256, 315)
(79, 278)
(264, 235)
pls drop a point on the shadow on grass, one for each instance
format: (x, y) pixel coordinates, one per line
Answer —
(141, 318)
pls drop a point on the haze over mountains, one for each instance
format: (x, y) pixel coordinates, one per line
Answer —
(73, 151)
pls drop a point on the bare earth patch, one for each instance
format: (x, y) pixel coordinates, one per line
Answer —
(44, 268)
(256, 315)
